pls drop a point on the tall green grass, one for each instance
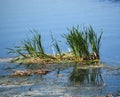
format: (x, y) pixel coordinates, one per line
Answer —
(30, 47)
(83, 43)
(78, 42)
(33, 46)
(95, 42)
(56, 46)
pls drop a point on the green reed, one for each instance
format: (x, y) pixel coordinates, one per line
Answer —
(56, 46)
(83, 43)
(31, 46)
(94, 41)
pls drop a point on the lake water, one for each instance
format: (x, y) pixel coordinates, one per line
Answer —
(18, 17)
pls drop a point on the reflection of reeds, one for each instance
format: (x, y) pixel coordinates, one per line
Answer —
(90, 76)
(83, 43)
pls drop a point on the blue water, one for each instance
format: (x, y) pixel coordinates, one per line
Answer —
(17, 17)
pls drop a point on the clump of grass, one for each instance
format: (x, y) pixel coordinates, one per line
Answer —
(78, 42)
(84, 43)
(95, 42)
(34, 46)
(31, 47)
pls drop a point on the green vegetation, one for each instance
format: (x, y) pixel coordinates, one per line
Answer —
(32, 47)
(78, 42)
(56, 46)
(84, 45)
(95, 42)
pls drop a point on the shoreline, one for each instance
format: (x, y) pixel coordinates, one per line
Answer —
(27, 61)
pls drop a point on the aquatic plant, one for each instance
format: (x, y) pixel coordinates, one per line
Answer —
(17, 50)
(95, 42)
(78, 42)
(56, 46)
(31, 47)
(84, 43)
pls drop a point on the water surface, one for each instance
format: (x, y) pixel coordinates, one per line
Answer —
(63, 80)
(17, 17)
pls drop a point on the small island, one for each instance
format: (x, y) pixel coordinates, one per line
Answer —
(84, 46)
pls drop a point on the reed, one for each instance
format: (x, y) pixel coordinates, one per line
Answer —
(95, 42)
(17, 50)
(84, 43)
(38, 41)
(56, 46)
(78, 42)
(31, 47)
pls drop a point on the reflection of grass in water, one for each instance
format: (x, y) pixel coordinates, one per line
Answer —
(84, 45)
(87, 76)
